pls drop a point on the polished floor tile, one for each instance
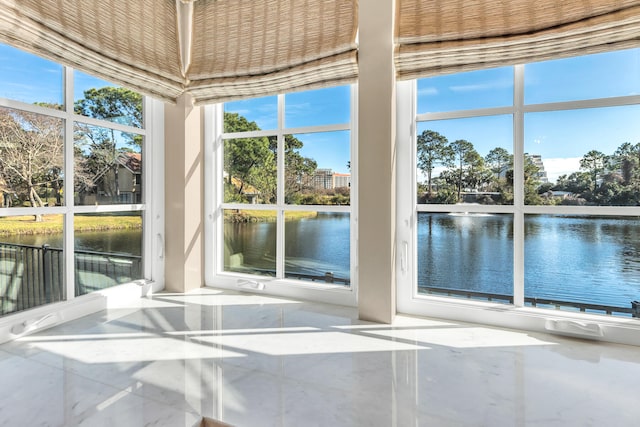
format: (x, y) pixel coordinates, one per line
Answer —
(264, 361)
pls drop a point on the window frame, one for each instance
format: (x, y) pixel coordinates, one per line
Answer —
(215, 275)
(515, 315)
(151, 209)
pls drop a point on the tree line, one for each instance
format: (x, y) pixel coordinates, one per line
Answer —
(32, 149)
(250, 166)
(602, 179)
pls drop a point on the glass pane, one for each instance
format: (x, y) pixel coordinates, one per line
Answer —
(250, 166)
(105, 101)
(250, 241)
(317, 247)
(318, 168)
(466, 255)
(582, 260)
(28, 78)
(251, 114)
(466, 91)
(465, 161)
(318, 107)
(108, 250)
(590, 157)
(585, 77)
(31, 262)
(108, 166)
(31, 159)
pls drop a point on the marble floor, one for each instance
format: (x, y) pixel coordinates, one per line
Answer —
(263, 361)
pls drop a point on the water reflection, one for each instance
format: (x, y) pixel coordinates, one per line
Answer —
(316, 247)
(583, 259)
(464, 251)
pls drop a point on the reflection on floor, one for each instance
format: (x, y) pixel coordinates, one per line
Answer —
(261, 361)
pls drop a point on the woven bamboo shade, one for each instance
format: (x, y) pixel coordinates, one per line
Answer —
(246, 48)
(228, 49)
(446, 36)
(215, 49)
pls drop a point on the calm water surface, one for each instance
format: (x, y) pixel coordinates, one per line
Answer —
(594, 260)
(113, 241)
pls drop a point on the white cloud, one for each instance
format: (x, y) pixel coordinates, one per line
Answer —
(428, 91)
(497, 84)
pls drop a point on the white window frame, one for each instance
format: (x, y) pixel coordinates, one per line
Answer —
(152, 211)
(215, 275)
(517, 315)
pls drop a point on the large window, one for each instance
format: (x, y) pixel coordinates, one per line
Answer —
(71, 183)
(285, 190)
(526, 185)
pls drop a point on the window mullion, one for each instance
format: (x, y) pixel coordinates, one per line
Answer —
(518, 187)
(69, 202)
(280, 241)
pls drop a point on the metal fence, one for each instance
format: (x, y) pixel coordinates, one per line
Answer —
(31, 276)
(633, 310)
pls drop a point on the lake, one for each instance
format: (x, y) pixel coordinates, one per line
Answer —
(583, 259)
(313, 247)
(569, 258)
(591, 260)
(113, 241)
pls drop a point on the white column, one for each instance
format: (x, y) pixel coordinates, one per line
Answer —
(184, 196)
(376, 162)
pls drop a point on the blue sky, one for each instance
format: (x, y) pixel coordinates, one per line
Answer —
(310, 108)
(561, 138)
(30, 79)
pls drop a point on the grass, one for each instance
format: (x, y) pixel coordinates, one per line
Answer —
(52, 224)
(250, 215)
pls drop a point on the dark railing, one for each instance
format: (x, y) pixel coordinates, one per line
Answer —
(634, 310)
(31, 276)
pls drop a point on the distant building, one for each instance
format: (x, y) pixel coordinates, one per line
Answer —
(323, 179)
(327, 179)
(536, 159)
(341, 180)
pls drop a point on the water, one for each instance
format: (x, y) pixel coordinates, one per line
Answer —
(113, 241)
(590, 260)
(580, 259)
(313, 247)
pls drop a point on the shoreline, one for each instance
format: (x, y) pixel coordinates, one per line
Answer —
(251, 215)
(53, 224)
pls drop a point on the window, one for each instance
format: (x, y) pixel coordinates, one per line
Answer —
(71, 181)
(285, 192)
(531, 198)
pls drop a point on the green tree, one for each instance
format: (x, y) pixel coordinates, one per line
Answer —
(249, 162)
(499, 160)
(464, 154)
(594, 163)
(298, 170)
(100, 144)
(531, 183)
(113, 104)
(475, 174)
(433, 149)
(626, 158)
(250, 167)
(577, 183)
